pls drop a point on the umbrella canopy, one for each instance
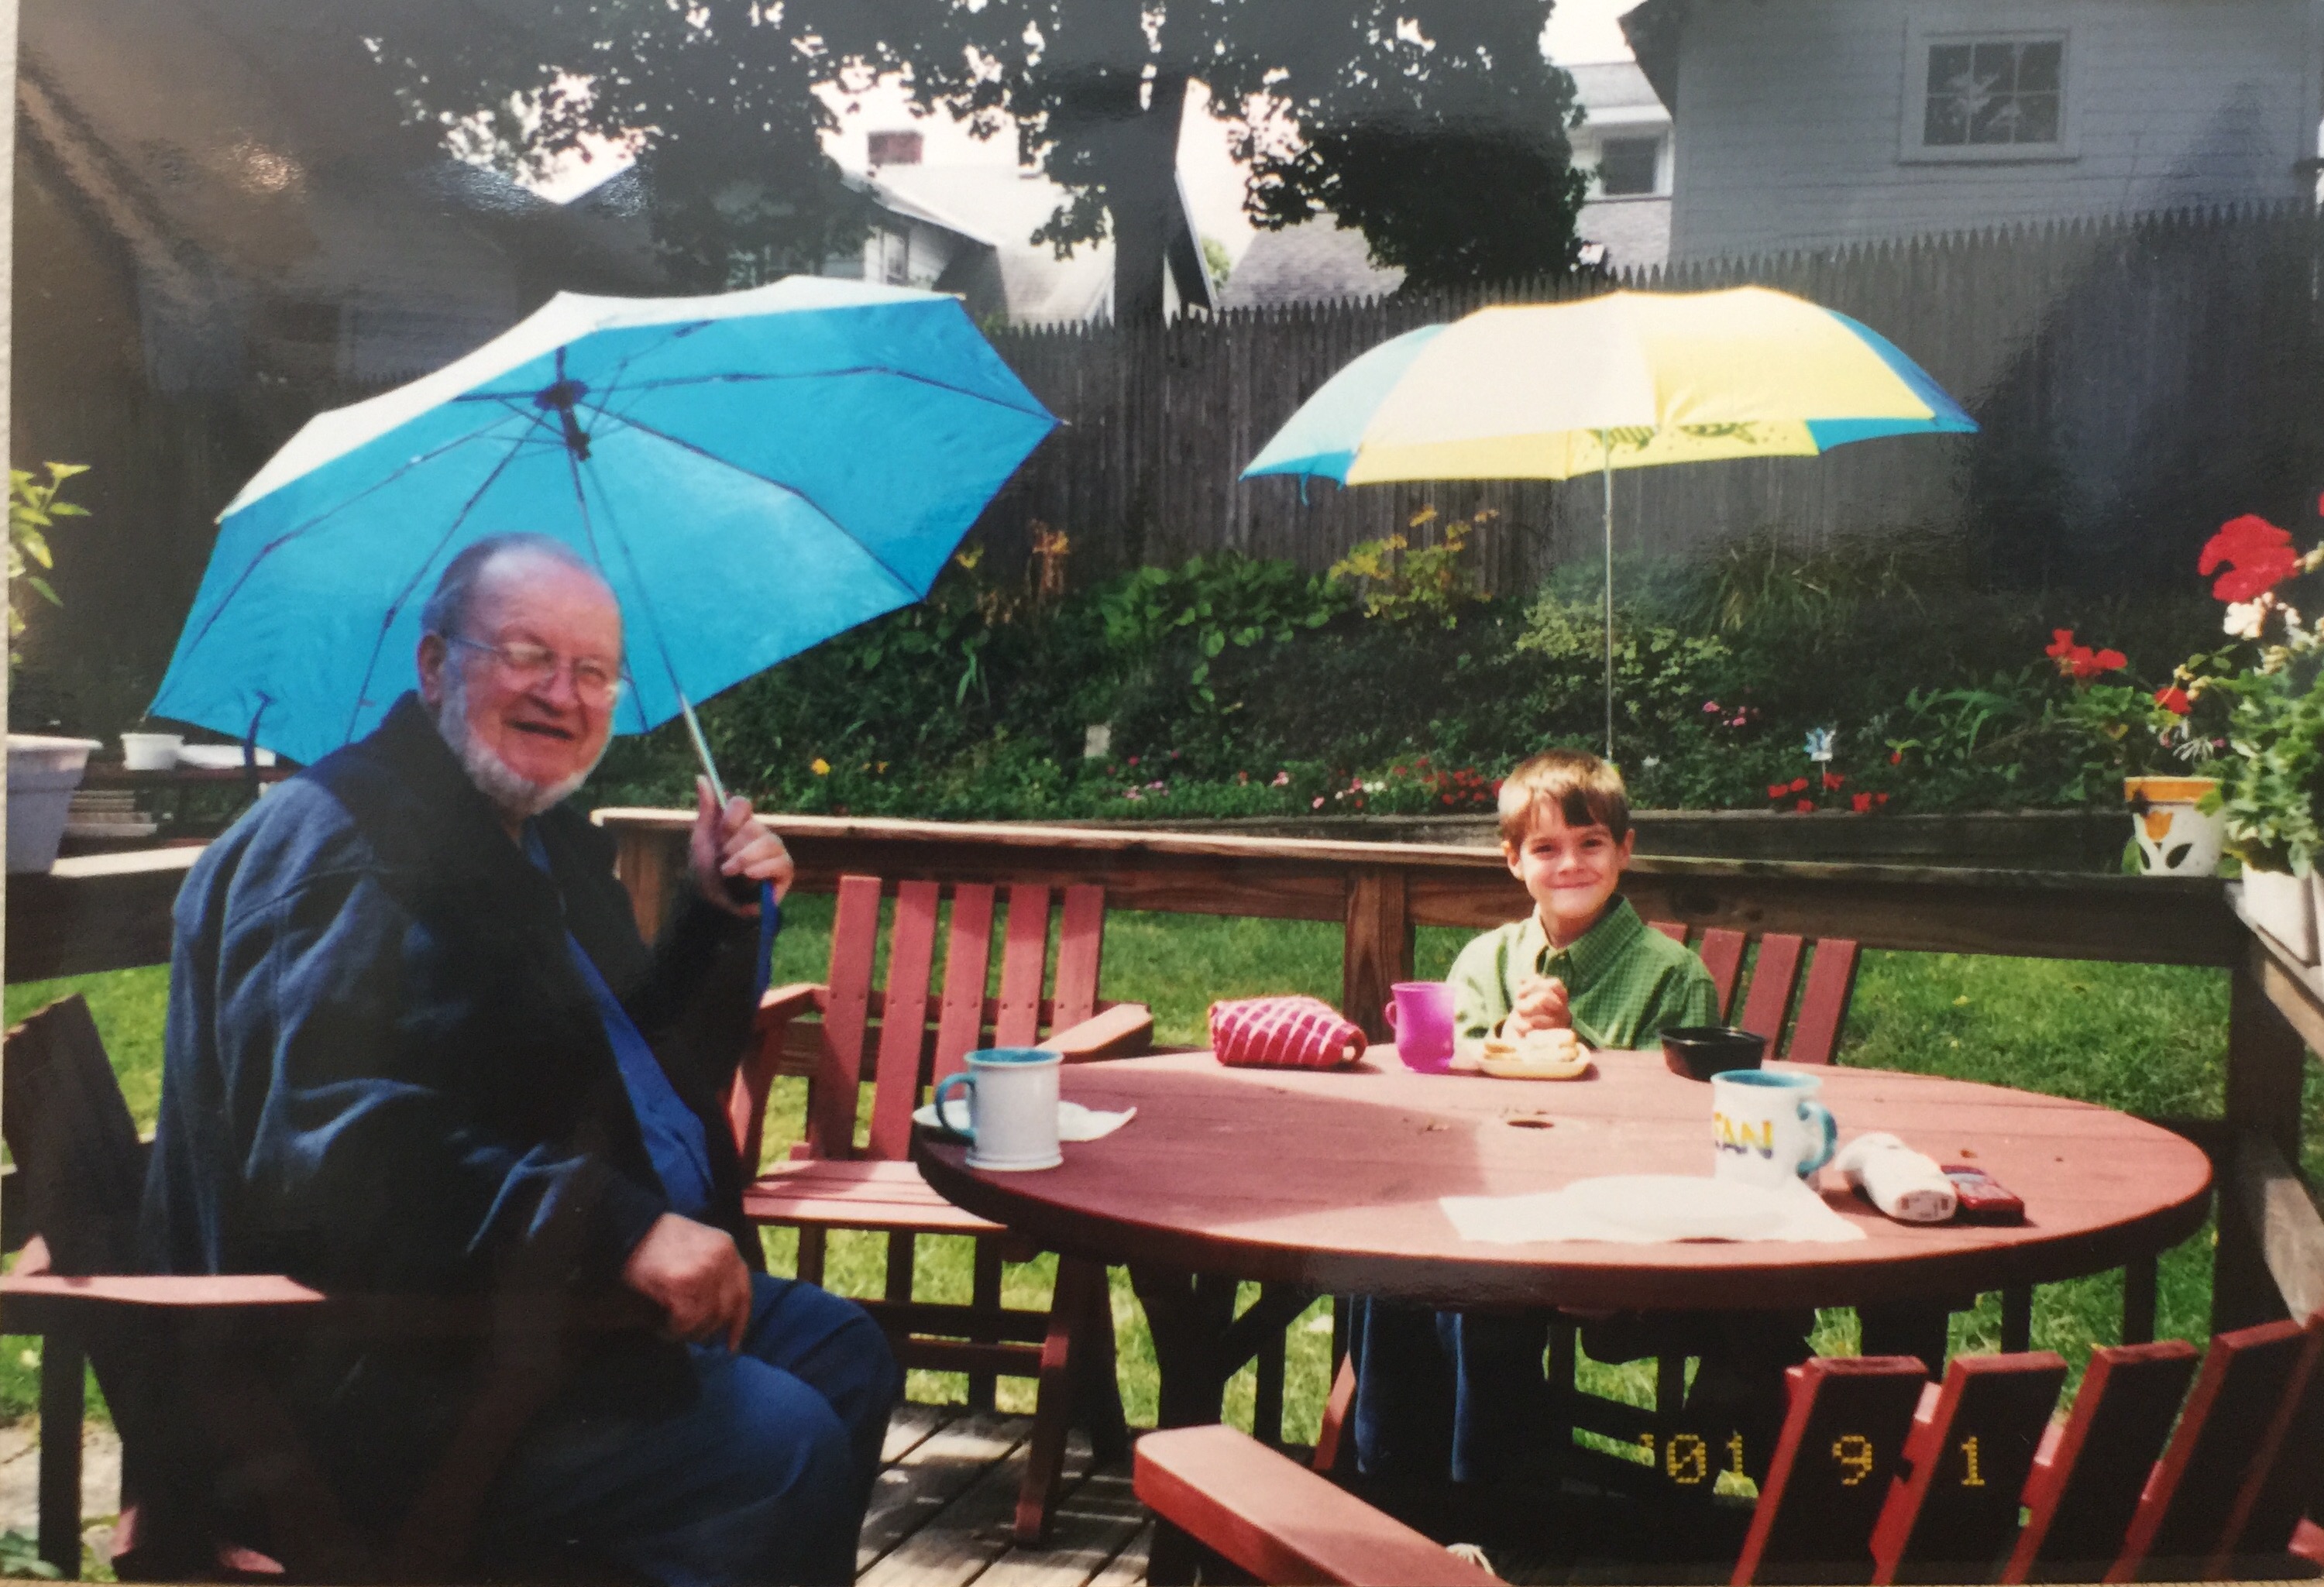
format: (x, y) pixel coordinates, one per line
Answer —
(751, 473)
(1628, 380)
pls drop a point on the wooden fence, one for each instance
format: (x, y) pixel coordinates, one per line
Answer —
(2138, 380)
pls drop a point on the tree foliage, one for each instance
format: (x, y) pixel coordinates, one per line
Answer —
(1433, 126)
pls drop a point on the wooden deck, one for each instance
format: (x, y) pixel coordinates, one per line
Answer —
(940, 1514)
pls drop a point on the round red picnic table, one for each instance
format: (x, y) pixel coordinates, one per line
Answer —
(1328, 1182)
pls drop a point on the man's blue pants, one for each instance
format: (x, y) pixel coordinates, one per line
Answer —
(763, 1478)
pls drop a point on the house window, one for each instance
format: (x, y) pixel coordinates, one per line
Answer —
(1625, 166)
(1987, 96)
(894, 148)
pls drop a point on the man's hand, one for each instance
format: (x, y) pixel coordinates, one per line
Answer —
(733, 842)
(694, 1274)
(1541, 1006)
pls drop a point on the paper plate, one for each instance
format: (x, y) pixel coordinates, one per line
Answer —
(1517, 1069)
(1672, 1206)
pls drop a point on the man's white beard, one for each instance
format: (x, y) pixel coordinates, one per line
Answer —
(507, 789)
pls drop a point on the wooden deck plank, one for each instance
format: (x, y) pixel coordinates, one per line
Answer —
(1127, 1568)
(912, 1426)
(1094, 1523)
(956, 1546)
(920, 1487)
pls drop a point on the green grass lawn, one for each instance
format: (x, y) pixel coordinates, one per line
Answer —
(2142, 1037)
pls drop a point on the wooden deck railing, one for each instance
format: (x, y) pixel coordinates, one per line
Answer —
(113, 912)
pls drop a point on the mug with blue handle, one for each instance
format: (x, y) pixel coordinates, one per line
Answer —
(1012, 1109)
(1767, 1128)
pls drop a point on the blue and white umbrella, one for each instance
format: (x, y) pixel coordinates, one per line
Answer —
(753, 473)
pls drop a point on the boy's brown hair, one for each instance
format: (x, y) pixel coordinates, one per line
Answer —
(1585, 791)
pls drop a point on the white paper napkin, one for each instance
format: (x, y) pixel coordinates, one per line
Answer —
(1649, 1209)
(1074, 1121)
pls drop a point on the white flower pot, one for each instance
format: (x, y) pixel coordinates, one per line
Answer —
(2283, 906)
(2174, 838)
(42, 773)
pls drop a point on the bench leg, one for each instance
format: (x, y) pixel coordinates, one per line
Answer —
(63, 1363)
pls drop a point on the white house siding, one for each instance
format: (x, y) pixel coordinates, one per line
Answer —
(1788, 116)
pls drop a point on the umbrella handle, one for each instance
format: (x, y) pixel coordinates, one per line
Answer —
(770, 925)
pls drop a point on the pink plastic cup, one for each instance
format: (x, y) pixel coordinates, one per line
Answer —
(1422, 1018)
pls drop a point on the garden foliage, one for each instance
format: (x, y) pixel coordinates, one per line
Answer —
(1237, 687)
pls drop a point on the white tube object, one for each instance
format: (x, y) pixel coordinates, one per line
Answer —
(1899, 1180)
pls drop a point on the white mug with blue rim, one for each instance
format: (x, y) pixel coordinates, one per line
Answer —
(1012, 1109)
(1767, 1128)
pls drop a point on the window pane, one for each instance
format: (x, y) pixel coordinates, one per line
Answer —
(1626, 165)
(2037, 118)
(1995, 67)
(2037, 67)
(1948, 63)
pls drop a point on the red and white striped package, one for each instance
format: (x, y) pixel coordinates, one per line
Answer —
(1283, 1033)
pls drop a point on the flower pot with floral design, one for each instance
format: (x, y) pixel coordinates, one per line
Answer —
(2174, 838)
(2283, 906)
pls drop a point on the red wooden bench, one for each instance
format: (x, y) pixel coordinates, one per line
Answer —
(1843, 1444)
(2132, 1485)
(925, 1025)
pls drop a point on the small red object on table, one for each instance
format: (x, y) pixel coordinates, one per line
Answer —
(1284, 1033)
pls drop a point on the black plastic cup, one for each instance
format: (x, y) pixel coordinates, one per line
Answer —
(1700, 1051)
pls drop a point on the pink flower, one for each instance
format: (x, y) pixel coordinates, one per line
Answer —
(1711, 707)
(1282, 779)
(1318, 804)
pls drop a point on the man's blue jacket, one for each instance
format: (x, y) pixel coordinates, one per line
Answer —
(384, 1072)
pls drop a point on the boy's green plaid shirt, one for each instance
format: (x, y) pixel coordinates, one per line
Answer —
(1627, 983)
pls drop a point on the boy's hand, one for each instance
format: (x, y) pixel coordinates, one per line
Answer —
(1541, 1006)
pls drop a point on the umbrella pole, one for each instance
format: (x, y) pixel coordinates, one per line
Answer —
(702, 749)
(1606, 474)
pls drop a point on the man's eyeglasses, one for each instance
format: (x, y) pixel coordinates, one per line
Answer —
(597, 683)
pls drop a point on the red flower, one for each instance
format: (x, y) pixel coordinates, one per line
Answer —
(1799, 784)
(1776, 790)
(1831, 782)
(1896, 757)
(1861, 803)
(2259, 555)
(2079, 662)
(1880, 798)
(2173, 700)
(1805, 805)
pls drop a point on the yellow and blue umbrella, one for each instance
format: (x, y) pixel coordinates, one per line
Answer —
(1629, 380)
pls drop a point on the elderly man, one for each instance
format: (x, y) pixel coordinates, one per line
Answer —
(416, 1044)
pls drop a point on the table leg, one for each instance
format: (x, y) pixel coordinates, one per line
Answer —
(1907, 1329)
(2138, 1282)
(1188, 1314)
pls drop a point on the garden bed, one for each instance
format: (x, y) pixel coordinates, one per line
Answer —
(1995, 840)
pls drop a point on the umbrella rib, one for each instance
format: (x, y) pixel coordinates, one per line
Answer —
(299, 530)
(789, 490)
(735, 379)
(637, 581)
(395, 606)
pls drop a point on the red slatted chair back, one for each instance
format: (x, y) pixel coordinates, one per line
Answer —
(2279, 1503)
(916, 996)
(2202, 1491)
(1954, 1517)
(1842, 1447)
(2087, 1480)
(1768, 1001)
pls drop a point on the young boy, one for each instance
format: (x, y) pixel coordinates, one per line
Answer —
(1462, 1394)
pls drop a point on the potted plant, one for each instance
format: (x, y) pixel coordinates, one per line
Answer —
(2272, 777)
(42, 771)
(2161, 742)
